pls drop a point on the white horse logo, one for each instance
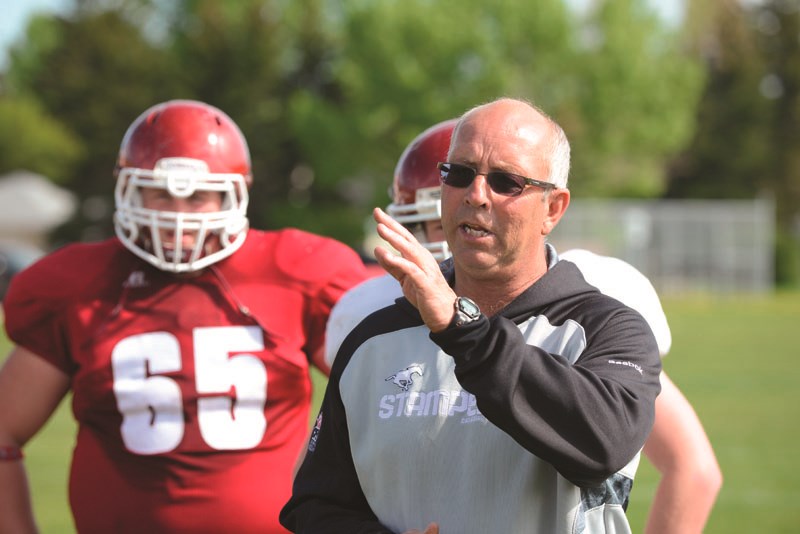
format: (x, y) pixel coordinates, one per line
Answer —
(405, 378)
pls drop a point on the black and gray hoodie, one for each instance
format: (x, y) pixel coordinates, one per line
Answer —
(530, 421)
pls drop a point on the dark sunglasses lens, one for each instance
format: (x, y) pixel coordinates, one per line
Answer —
(505, 184)
(457, 175)
(502, 183)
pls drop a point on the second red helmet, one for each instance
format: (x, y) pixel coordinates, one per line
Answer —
(416, 189)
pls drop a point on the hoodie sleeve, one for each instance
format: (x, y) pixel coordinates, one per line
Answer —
(588, 418)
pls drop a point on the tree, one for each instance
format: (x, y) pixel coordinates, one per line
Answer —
(779, 26)
(747, 138)
(93, 72)
(328, 93)
(728, 149)
(399, 67)
(249, 58)
(34, 141)
(635, 101)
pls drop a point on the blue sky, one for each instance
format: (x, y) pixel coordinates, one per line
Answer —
(17, 12)
(15, 19)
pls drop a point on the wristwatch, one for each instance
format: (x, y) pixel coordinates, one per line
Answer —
(466, 311)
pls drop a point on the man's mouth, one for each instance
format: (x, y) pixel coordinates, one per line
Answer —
(474, 231)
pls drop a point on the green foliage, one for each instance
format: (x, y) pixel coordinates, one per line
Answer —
(101, 75)
(235, 56)
(636, 93)
(787, 260)
(747, 139)
(42, 37)
(729, 164)
(779, 44)
(32, 140)
(329, 93)
(403, 66)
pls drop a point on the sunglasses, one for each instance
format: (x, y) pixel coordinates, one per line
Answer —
(503, 183)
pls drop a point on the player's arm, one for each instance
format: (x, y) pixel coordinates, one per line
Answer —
(30, 390)
(691, 478)
(319, 360)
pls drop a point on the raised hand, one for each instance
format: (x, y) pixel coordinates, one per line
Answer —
(417, 271)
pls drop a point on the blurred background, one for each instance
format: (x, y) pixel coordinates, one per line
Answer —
(684, 120)
(666, 104)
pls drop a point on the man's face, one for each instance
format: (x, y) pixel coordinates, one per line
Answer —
(198, 202)
(491, 234)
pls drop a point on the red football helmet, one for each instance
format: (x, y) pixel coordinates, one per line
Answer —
(417, 186)
(182, 146)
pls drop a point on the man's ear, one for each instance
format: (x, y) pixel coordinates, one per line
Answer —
(556, 202)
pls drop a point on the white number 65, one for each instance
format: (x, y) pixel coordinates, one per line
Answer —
(152, 406)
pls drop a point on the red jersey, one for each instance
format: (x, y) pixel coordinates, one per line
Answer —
(191, 393)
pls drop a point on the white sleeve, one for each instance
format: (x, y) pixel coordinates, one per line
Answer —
(622, 281)
(354, 306)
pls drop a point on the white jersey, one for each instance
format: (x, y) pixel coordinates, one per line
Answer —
(353, 306)
(622, 281)
(612, 276)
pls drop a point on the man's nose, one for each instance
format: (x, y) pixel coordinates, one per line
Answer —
(477, 192)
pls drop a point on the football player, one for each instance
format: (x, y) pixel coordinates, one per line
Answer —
(185, 342)
(678, 446)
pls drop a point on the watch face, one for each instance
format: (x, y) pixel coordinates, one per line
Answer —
(468, 307)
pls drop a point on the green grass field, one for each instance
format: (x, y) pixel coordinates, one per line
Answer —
(734, 358)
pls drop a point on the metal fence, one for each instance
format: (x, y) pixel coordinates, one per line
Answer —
(717, 246)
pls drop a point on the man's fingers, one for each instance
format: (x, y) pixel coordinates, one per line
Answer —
(395, 233)
(418, 273)
(381, 217)
(404, 242)
(388, 260)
